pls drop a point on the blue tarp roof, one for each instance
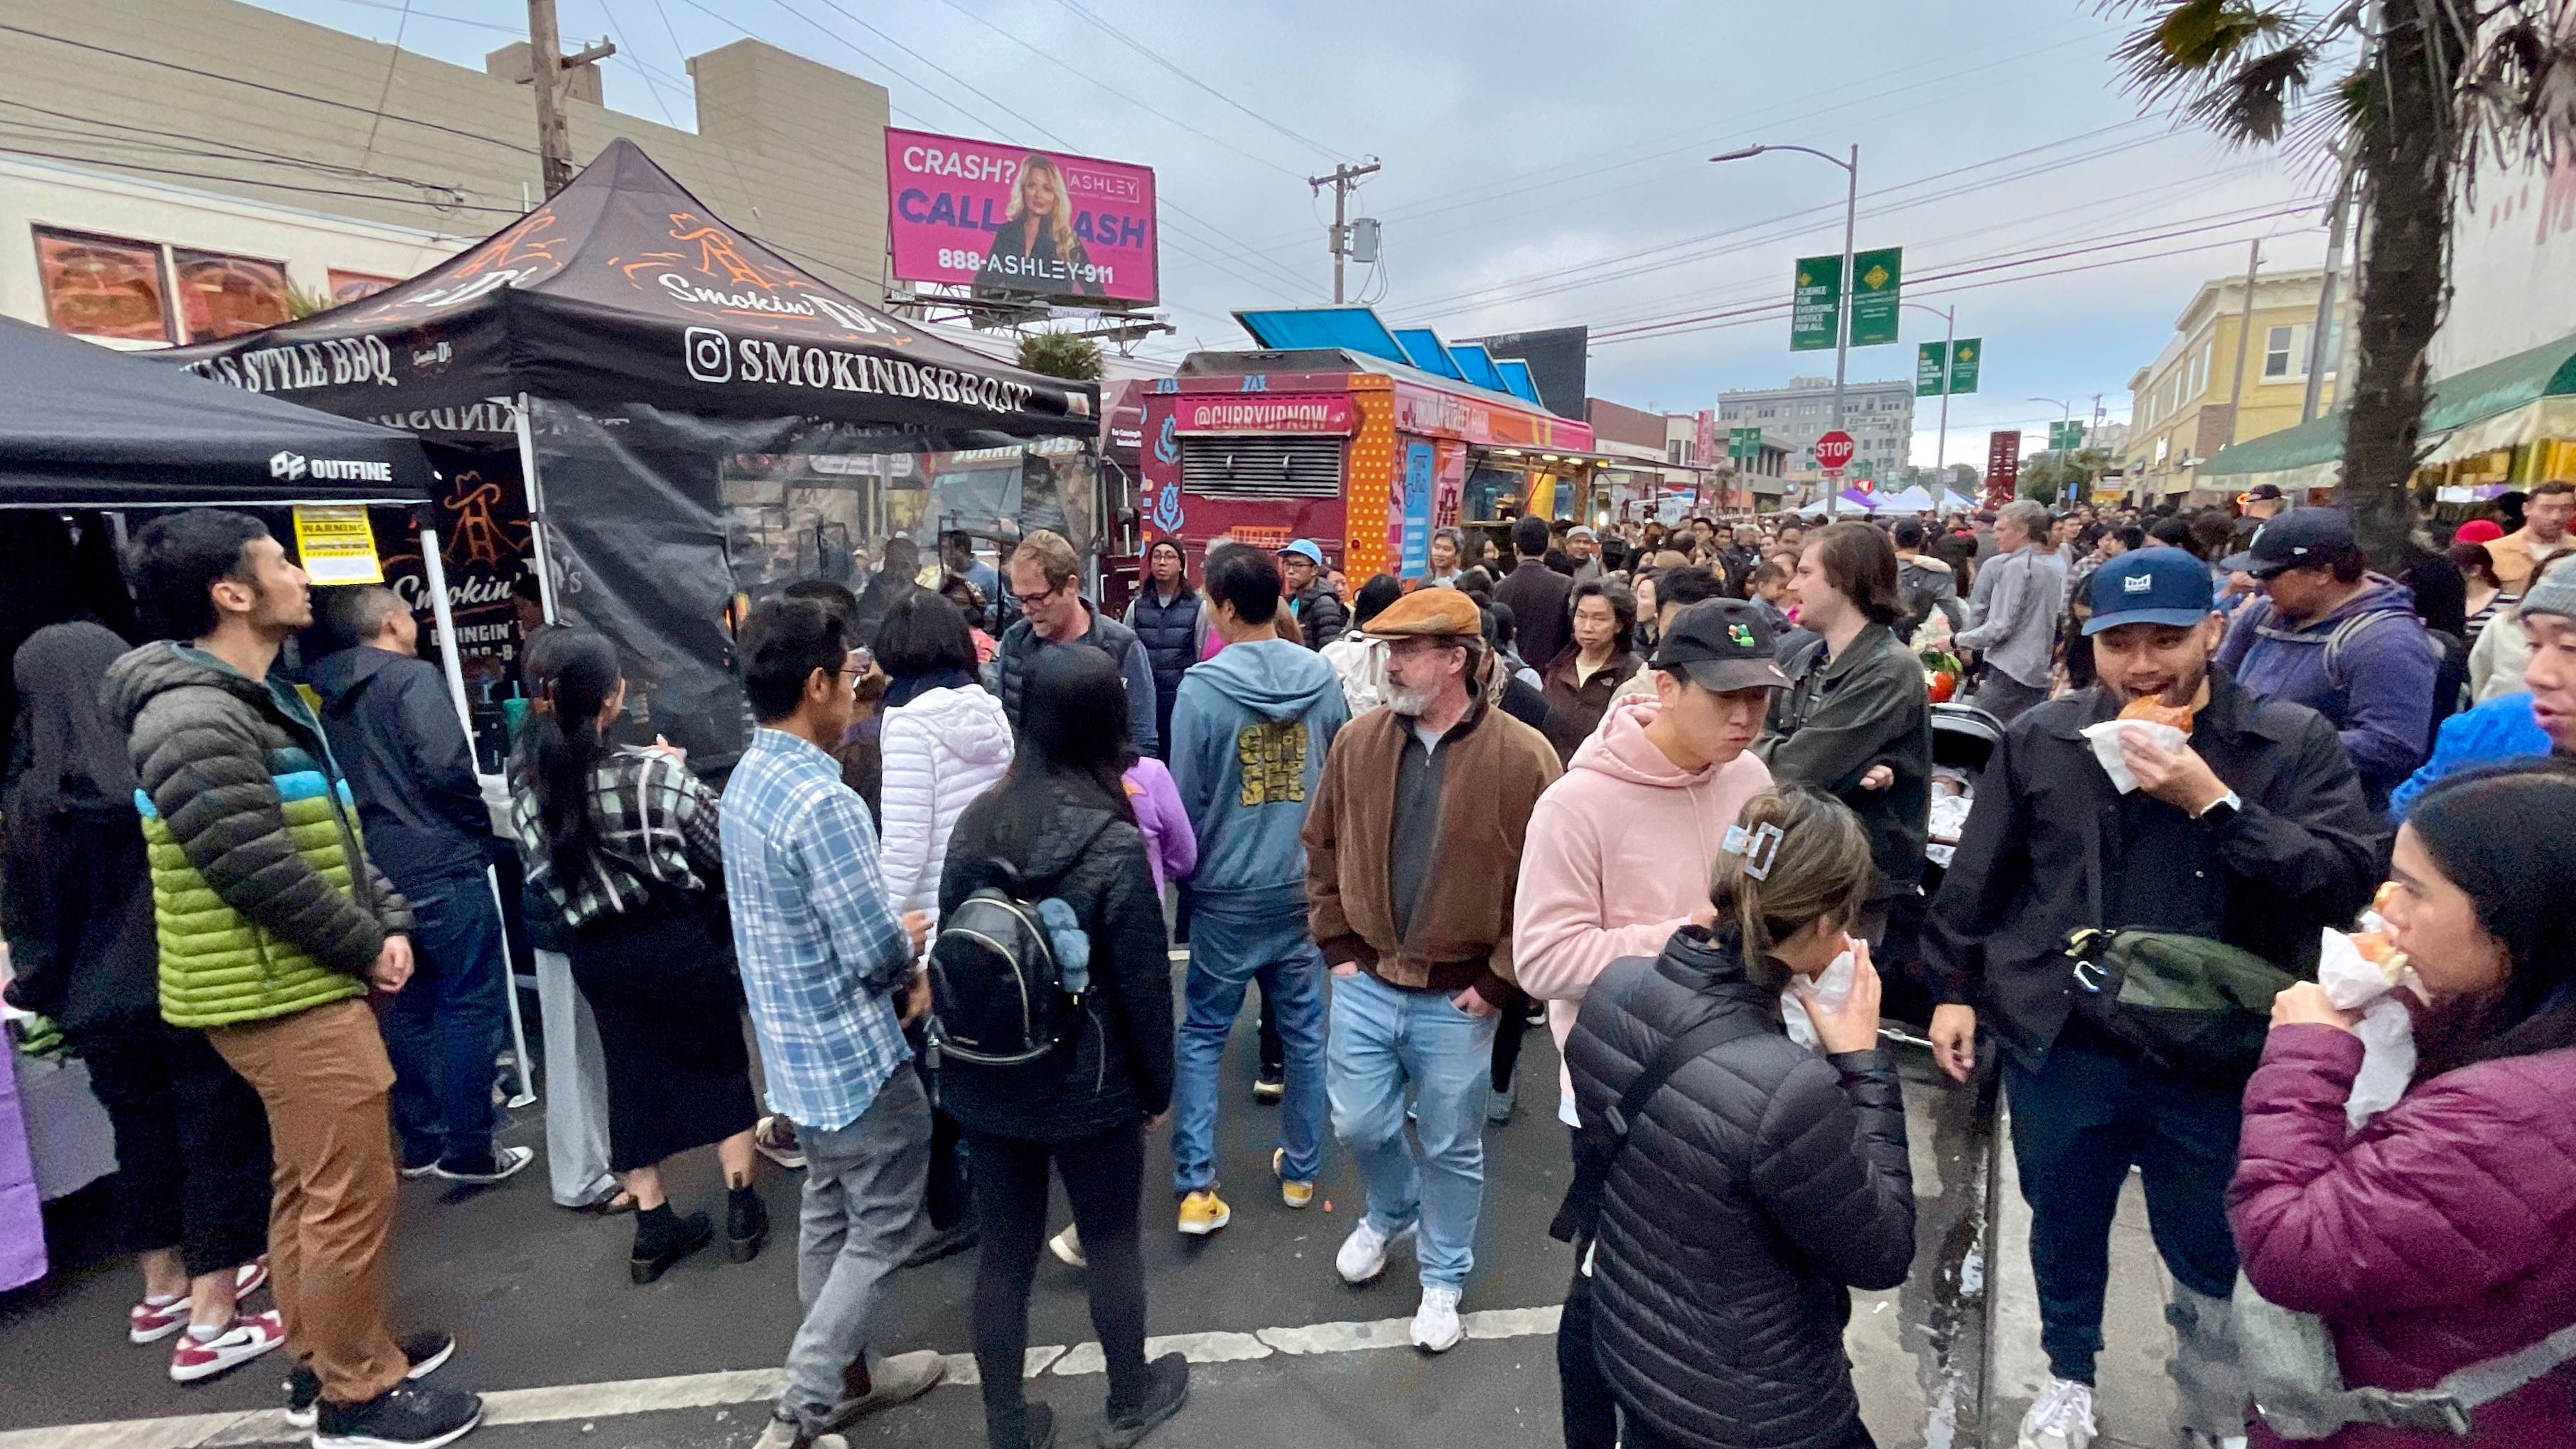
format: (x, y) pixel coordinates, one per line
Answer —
(1424, 348)
(1478, 366)
(1516, 376)
(1353, 329)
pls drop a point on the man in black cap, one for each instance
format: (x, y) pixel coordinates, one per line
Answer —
(2252, 832)
(2330, 634)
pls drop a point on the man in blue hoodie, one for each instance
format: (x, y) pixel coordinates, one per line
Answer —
(2343, 641)
(1249, 732)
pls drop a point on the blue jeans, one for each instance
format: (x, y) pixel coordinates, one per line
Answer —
(1226, 954)
(443, 1029)
(1384, 1038)
(2078, 1123)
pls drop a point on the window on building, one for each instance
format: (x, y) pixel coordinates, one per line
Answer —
(225, 296)
(2200, 368)
(99, 286)
(2285, 353)
(347, 287)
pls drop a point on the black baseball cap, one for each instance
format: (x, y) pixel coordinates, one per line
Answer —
(1722, 645)
(2300, 538)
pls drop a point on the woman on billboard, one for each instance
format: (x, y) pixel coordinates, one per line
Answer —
(1036, 250)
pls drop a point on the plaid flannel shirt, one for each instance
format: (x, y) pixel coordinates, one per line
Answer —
(653, 823)
(820, 947)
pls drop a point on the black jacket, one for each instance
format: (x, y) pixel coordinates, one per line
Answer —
(2043, 853)
(1321, 615)
(1172, 634)
(1115, 1067)
(79, 918)
(394, 730)
(1841, 716)
(1542, 621)
(1758, 1186)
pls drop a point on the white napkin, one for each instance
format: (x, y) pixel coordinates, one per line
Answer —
(1833, 987)
(2386, 1029)
(2106, 746)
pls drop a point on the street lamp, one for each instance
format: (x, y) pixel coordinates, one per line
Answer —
(1949, 339)
(1842, 318)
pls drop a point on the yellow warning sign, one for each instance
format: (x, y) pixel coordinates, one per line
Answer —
(338, 546)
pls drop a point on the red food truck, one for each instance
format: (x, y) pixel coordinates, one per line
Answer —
(1361, 453)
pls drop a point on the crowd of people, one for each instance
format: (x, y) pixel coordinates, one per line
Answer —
(1669, 791)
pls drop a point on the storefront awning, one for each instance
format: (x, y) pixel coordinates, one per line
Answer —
(2507, 403)
(2307, 456)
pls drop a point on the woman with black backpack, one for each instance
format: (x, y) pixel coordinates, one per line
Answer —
(1757, 1180)
(1055, 847)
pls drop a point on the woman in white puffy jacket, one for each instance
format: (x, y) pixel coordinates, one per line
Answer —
(944, 739)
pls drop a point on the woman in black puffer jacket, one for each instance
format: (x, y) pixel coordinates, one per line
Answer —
(1059, 826)
(1762, 1182)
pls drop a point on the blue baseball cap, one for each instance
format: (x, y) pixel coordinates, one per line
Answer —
(1305, 548)
(2149, 586)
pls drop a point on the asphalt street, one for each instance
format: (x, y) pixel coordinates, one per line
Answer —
(1286, 1353)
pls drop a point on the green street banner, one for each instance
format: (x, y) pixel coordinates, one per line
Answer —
(1931, 369)
(1963, 363)
(1816, 304)
(1875, 279)
(1744, 443)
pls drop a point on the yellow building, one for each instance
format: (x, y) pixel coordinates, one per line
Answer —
(2180, 411)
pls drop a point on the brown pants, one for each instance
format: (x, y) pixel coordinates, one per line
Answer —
(324, 1077)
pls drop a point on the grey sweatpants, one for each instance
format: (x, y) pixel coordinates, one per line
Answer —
(576, 1089)
(863, 1188)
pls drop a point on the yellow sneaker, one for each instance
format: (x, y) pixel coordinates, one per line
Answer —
(1203, 1212)
(1292, 1192)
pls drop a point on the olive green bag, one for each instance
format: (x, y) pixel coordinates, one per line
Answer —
(2197, 1007)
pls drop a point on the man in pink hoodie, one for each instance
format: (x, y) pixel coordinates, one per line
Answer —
(1619, 855)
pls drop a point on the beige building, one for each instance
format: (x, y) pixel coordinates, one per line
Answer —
(217, 98)
(2180, 413)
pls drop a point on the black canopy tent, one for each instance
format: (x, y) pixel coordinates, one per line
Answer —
(665, 417)
(85, 427)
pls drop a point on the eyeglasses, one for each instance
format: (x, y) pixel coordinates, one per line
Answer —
(1031, 601)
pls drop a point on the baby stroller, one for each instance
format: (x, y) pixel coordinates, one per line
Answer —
(1963, 738)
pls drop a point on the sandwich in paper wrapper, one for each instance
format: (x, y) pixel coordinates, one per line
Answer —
(2167, 726)
(2361, 971)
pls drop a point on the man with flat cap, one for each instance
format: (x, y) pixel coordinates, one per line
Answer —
(1413, 850)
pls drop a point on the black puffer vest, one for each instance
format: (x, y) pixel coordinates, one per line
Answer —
(1020, 645)
(1170, 634)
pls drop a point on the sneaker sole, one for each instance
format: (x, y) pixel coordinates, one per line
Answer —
(311, 1414)
(516, 1166)
(1441, 1347)
(1201, 1230)
(1114, 1436)
(202, 1372)
(1377, 1272)
(370, 1441)
(154, 1335)
(743, 1250)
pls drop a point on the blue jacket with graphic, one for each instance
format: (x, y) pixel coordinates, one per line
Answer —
(1249, 732)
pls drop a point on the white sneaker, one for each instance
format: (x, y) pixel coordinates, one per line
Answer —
(1435, 1323)
(1363, 1254)
(2062, 1418)
(1067, 1247)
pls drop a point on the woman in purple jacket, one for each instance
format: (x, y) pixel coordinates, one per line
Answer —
(2439, 1234)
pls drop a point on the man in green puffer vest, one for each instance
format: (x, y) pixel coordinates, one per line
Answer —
(272, 927)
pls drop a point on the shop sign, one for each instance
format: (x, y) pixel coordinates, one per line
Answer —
(337, 545)
(1816, 304)
(1331, 414)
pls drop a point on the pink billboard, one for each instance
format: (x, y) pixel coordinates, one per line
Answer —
(1009, 221)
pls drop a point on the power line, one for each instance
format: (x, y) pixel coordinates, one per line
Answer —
(385, 92)
(259, 86)
(1138, 46)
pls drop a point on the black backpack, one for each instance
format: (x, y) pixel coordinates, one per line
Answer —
(1000, 996)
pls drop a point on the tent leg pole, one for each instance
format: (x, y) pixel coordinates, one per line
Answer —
(435, 568)
(536, 514)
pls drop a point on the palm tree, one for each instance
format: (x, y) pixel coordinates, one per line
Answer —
(2428, 91)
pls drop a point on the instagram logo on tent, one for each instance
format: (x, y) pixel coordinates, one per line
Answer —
(710, 354)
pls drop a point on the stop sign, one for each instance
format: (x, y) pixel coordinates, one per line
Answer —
(1834, 450)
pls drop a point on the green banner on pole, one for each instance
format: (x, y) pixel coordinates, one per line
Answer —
(1875, 284)
(1963, 364)
(1931, 369)
(1816, 304)
(1744, 444)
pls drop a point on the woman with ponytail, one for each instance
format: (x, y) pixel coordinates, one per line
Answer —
(1759, 1181)
(622, 844)
(2436, 1235)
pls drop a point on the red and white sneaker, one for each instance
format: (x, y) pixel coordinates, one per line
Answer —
(248, 1277)
(151, 1322)
(251, 1335)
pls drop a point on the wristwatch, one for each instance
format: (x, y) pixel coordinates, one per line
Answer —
(2220, 810)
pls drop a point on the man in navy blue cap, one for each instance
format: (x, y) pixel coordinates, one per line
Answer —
(2253, 832)
(2344, 641)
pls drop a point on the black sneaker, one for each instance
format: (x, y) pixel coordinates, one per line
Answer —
(958, 1237)
(746, 1225)
(1167, 1387)
(428, 1352)
(491, 1166)
(656, 1251)
(407, 1416)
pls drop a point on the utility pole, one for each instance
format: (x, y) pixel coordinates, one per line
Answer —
(2317, 359)
(2244, 338)
(546, 66)
(1344, 177)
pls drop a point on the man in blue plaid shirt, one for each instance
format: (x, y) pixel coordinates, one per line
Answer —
(832, 980)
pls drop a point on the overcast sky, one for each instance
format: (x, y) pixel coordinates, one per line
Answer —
(1545, 163)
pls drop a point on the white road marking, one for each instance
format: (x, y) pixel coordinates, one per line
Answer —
(567, 1402)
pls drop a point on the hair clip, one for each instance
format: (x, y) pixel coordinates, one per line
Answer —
(1759, 847)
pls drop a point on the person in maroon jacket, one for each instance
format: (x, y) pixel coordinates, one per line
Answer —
(2437, 1235)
